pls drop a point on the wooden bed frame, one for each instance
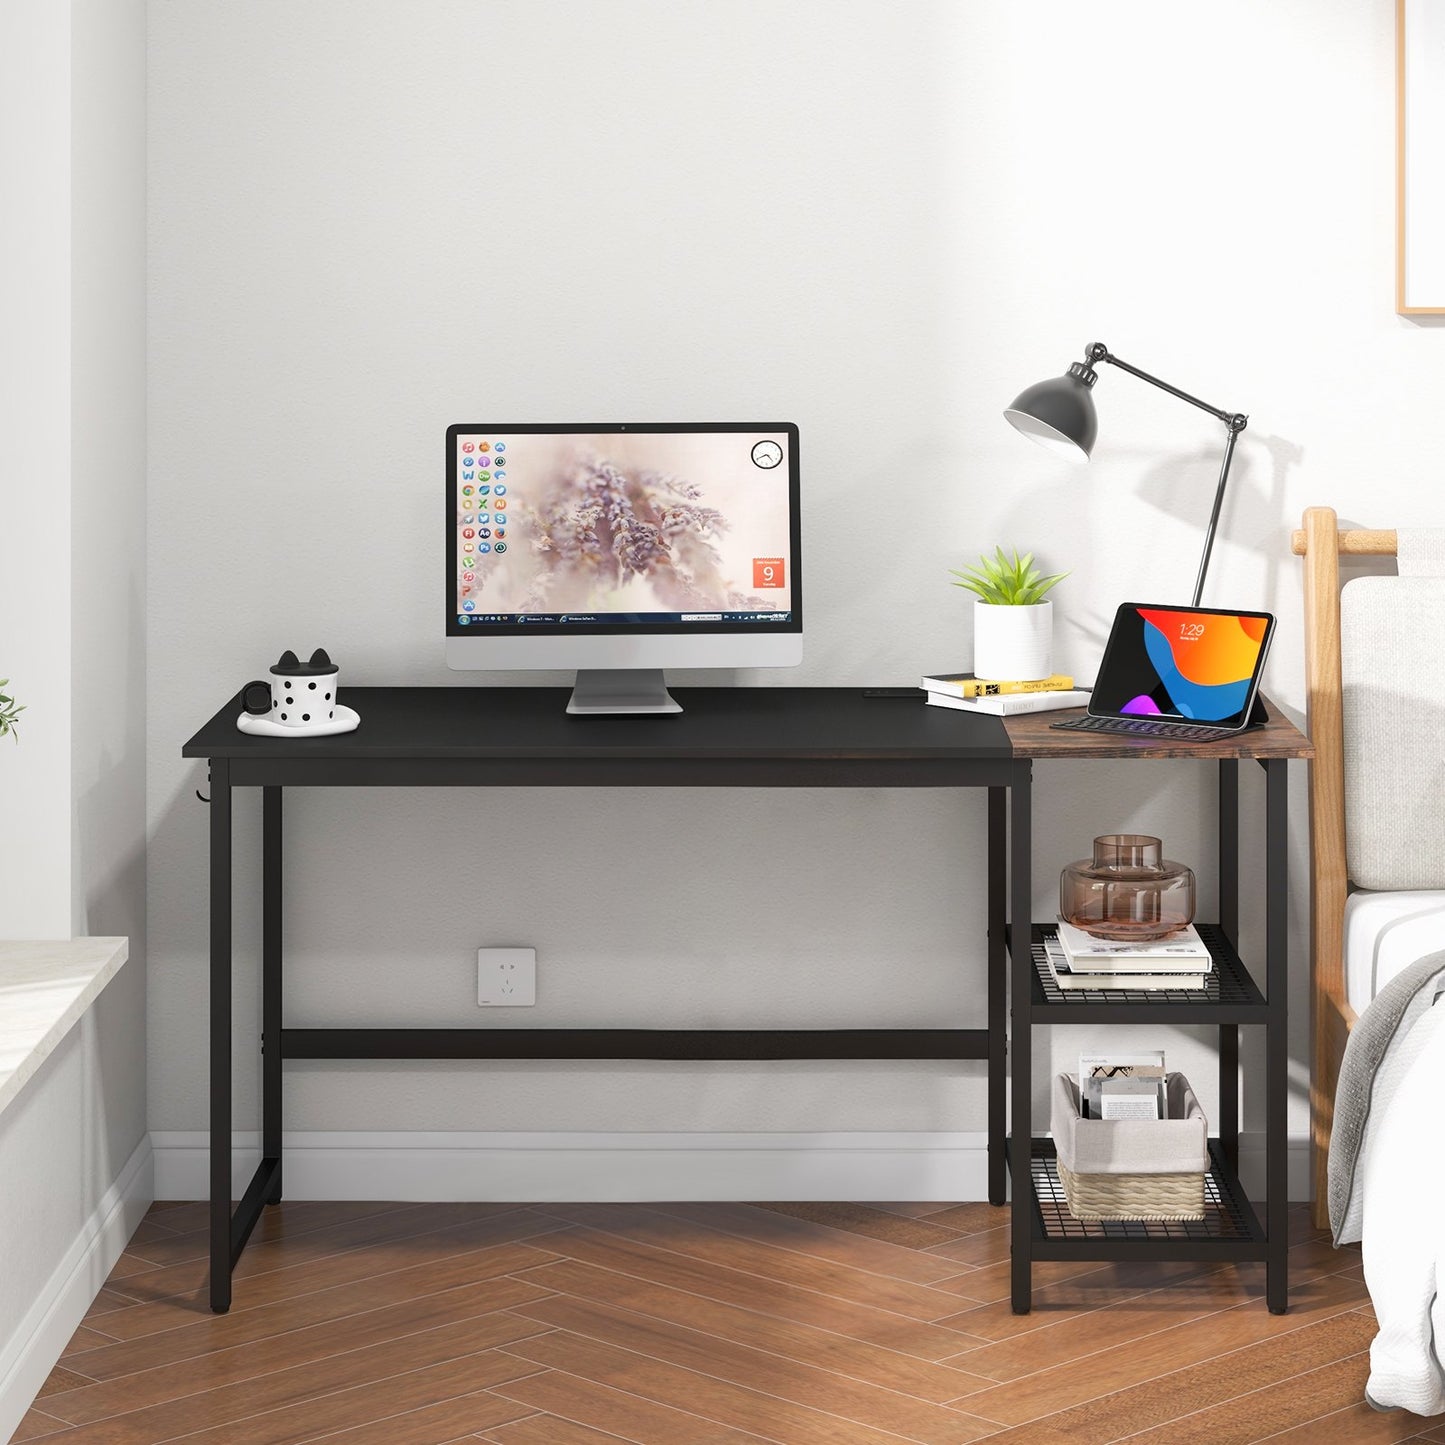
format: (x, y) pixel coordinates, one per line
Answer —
(1322, 544)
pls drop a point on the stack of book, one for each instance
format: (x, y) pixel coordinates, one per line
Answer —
(967, 693)
(1078, 960)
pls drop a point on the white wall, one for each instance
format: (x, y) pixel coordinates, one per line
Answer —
(108, 547)
(35, 466)
(882, 221)
(73, 1153)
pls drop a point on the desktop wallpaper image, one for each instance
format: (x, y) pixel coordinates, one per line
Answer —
(651, 523)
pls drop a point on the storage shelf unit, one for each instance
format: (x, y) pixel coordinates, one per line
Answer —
(1043, 1228)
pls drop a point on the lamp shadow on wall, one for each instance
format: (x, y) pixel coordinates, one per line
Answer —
(1253, 514)
(1253, 517)
(1180, 485)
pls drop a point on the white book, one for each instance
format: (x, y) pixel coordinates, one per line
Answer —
(1183, 952)
(1096, 1071)
(1070, 981)
(1129, 1099)
(1012, 703)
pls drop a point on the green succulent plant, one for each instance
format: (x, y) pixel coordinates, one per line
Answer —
(9, 711)
(1007, 582)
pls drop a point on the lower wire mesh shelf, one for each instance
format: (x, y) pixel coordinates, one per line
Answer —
(1228, 1216)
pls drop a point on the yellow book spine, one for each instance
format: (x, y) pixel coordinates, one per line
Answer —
(983, 687)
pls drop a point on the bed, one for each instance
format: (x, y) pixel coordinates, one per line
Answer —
(1377, 724)
(1375, 679)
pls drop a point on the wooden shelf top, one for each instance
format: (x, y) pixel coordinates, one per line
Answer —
(1031, 736)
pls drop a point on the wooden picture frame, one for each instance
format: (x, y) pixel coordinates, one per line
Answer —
(1420, 157)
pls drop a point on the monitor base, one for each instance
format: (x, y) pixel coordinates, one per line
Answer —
(601, 692)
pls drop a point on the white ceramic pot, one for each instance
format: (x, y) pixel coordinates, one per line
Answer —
(1013, 644)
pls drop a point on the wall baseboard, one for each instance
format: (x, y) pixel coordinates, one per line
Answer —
(517, 1167)
(29, 1355)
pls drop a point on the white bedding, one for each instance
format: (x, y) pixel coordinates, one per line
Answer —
(1404, 1228)
(1385, 933)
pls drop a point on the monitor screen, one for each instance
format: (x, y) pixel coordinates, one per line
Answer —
(615, 528)
(1193, 663)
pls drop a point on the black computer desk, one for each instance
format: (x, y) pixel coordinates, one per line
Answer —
(798, 738)
(455, 737)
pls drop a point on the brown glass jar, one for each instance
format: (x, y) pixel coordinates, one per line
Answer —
(1128, 891)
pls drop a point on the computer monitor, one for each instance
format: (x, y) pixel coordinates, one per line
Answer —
(622, 549)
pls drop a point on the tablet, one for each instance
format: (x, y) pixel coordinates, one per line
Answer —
(1182, 664)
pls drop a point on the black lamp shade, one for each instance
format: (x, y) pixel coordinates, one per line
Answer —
(1058, 414)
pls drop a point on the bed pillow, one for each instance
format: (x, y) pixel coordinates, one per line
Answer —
(1376, 1058)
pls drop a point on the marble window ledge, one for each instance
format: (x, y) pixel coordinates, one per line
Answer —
(45, 989)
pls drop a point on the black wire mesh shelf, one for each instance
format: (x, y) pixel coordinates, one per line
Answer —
(1229, 1224)
(1229, 994)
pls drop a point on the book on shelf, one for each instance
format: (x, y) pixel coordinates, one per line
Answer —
(1182, 952)
(1068, 980)
(965, 684)
(1130, 1099)
(1012, 703)
(1123, 1086)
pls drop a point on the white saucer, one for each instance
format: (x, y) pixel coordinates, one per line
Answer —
(345, 721)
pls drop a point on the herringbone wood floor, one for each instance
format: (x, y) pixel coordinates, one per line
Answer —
(691, 1324)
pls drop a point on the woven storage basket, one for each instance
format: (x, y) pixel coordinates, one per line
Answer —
(1121, 1169)
(1102, 1197)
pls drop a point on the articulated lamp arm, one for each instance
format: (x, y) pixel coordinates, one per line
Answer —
(1234, 421)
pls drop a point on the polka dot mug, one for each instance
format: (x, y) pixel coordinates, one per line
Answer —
(299, 694)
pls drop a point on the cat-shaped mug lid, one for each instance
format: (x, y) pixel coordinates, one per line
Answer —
(287, 665)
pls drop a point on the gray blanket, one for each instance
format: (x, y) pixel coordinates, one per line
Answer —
(1388, 1020)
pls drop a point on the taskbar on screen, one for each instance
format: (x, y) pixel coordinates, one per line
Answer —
(611, 619)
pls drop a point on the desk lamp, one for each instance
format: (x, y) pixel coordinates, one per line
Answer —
(1059, 414)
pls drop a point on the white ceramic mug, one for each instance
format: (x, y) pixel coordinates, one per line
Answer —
(298, 694)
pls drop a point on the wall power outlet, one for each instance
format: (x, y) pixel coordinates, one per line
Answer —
(506, 977)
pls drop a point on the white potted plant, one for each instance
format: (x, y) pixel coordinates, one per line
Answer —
(1013, 625)
(9, 711)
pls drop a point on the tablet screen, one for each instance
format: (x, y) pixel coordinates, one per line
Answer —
(1183, 663)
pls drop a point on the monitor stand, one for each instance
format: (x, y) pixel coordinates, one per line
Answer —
(602, 691)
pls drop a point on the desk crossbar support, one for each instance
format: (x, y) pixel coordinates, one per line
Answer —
(253, 1201)
(707, 1045)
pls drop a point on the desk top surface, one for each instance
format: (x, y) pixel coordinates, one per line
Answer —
(716, 722)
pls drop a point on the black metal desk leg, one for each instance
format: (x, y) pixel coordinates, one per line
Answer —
(1229, 922)
(220, 1036)
(997, 995)
(1229, 849)
(1276, 954)
(1020, 1056)
(1229, 1094)
(271, 986)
